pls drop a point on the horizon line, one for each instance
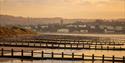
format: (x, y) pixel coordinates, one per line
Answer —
(61, 17)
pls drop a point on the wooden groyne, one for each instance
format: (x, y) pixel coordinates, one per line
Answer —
(59, 45)
(33, 55)
(62, 41)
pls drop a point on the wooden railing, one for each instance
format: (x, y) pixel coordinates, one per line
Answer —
(59, 45)
(32, 55)
(88, 42)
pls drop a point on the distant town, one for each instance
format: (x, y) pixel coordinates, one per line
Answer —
(101, 26)
(80, 27)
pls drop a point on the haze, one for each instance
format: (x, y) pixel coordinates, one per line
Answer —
(64, 8)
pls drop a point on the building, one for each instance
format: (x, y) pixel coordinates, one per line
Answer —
(63, 30)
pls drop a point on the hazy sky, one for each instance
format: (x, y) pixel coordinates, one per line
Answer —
(64, 8)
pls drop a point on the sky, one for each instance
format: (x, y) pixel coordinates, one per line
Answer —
(64, 8)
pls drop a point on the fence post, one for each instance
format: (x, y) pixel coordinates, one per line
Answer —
(42, 54)
(83, 45)
(40, 44)
(52, 45)
(58, 45)
(92, 57)
(95, 47)
(22, 53)
(101, 47)
(12, 52)
(107, 47)
(103, 59)
(89, 46)
(2, 52)
(32, 53)
(72, 55)
(64, 45)
(34, 44)
(113, 59)
(28, 44)
(123, 59)
(52, 55)
(83, 56)
(71, 45)
(62, 55)
(120, 48)
(46, 44)
(114, 48)
(77, 45)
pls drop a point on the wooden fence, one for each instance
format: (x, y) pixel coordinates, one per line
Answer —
(59, 45)
(88, 42)
(32, 55)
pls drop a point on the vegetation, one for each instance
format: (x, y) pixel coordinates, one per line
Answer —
(13, 31)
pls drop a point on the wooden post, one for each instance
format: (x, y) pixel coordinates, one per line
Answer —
(42, 55)
(107, 47)
(40, 44)
(72, 55)
(28, 43)
(32, 53)
(64, 45)
(62, 55)
(113, 59)
(123, 59)
(12, 52)
(114, 48)
(120, 48)
(71, 45)
(22, 53)
(89, 46)
(103, 59)
(46, 44)
(2, 52)
(83, 45)
(101, 47)
(83, 56)
(34, 44)
(58, 45)
(92, 57)
(77, 46)
(52, 45)
(52, 55)
(95, 47)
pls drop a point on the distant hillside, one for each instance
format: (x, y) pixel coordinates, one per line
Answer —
(13, 31)
(8, 19)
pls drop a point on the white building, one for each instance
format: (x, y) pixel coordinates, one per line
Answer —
(108, 31)
(92, 27)
(84, 31)
(110, 27)
(82, 26)
(44, 26)
(63, 30)
(119, 28)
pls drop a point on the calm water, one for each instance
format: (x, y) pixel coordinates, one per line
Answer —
(86, 52)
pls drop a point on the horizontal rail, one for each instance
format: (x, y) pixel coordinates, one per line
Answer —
(60, 46)
(32, 55)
